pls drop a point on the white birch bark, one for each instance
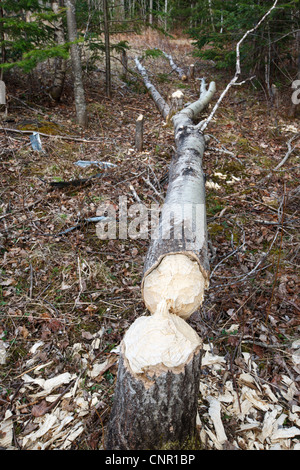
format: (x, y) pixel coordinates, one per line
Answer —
(161, 104)
(175, 67)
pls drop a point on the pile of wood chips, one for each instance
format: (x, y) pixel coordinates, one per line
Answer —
(241, 412)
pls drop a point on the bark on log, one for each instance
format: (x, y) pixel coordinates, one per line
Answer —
(160, 103)
(177, 260)
(155, 404)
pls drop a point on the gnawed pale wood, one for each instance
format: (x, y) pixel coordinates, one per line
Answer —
(157, 343)
(179, 279)
(175, 104)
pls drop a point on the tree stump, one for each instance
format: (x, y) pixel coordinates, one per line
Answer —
(139, 129)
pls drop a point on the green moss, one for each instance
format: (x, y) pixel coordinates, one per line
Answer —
(213, 205)
(215, 228)
(192, 443)
(44, 127)
(245, 146)
(17, 352)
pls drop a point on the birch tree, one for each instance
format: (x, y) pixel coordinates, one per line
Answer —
(157, 388)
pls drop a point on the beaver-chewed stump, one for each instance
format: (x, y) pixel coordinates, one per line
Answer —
(155, 400)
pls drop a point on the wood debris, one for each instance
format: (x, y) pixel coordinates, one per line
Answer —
(263, 419)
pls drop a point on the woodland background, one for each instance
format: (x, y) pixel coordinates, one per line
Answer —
(66, 298)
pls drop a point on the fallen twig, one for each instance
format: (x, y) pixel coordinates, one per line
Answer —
(289, 152)
(64, 137)
(73, 183)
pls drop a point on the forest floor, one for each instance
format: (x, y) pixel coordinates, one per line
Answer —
(67, 297)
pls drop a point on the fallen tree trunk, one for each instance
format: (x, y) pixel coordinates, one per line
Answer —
(157, 385)
(175, 67)
(155, 403)
(160, 103)
(179, 244)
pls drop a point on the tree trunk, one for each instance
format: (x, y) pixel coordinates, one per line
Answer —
(166, 15)
(139, 127)
(149, 414)
(178, 249)
(155, 404)
(151, 12)
(2, 36)
(294, 106)
(124, 62)
(80, 103)
(61, 64)
(160, 103)
(107, 50)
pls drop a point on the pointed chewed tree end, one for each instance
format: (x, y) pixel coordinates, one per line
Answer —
(179, 281)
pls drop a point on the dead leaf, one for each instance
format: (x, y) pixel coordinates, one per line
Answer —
(8, 282)
(134, 252)
(40, 409)
(258, 350)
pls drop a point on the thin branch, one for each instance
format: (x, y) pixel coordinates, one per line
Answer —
(234, 81)
(65, 137)
(289, 152)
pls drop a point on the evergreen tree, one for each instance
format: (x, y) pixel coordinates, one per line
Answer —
(27, 34)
